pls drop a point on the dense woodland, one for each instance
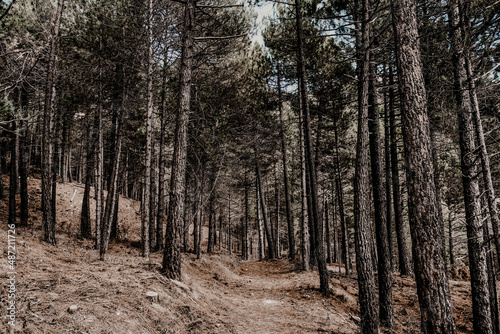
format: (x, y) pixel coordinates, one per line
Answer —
(364, 133)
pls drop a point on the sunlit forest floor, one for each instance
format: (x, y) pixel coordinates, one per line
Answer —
(218, 293)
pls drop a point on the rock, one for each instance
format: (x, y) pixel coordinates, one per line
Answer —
(152, 296)
(72, 309)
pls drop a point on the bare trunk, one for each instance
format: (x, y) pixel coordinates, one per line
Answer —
(362, 231)
(313, 194)
(267, 228)
(146, 195)
(304, 218)
(481, 308)
(403, 253)
(432, 282)
(48, 220)
(386, 311)
(172, 256)
(344, 234)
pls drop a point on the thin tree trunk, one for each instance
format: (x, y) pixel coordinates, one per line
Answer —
(363, 237)
(388, 180)
(485, 159)
(109, 211)
(23, 173)
(172, 256)
(245, 229)
(267, 228)
(386, 310)
(146, 196)
(196, 221)
(327, 233)
(346, 257)
(288, 202)
(153, 196)
(481, 308)
(315, 219)
(403, 253)
(85, 222)
(432, 282)
(259, 221)
(48, 220)
(304, 218)
(450, 239)
(492, 280)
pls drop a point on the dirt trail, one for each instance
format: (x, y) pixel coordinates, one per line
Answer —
(218, 293)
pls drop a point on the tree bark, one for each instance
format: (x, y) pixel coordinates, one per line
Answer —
(315, 219)
(146, 192)
(172, 256)
(386, 310)
(304, 217)
(432, 282)
(85, 222)
(403, 253)
(288, 201)
(259, 221)
(111, 199)
(481, 308)
(48, 219)
(327, 232)
(245, 253)
(362, 231)
(267, 228)
(344, 237)
(388, 179)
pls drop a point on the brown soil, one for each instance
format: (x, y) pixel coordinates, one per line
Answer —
(218, 293)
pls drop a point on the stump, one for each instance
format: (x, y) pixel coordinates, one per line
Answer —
(152, 296)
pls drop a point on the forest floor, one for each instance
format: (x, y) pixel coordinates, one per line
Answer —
(218, 293)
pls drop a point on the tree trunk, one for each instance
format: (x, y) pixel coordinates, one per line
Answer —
(346, 257)
(245, 228)
(23, 173)
(315, 219)
(304, 218)
(12, 220)
(146, 192)
(403, 253)
(259, 221)
(450, 239)
(388, 179)
(153, 196)
(327, 233)
(267, 228)
(196, 221)
(109, 211)
(485, 160)
(162, 163)
(172, 256)
(481, 307)
(277, 226)
(386, 311)
(211, 214)
(85, 222)
(288, 201)
(364, 262)
(432, 282)
(48, 219)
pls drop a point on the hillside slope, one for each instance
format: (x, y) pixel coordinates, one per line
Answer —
(218, 293)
